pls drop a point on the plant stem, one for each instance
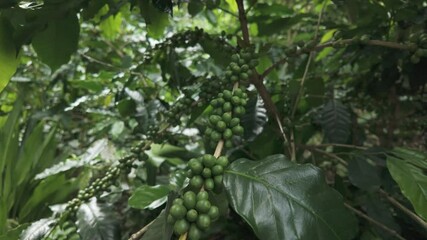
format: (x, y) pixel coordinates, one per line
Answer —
(408, 212)
(375, 222)
(243, 22)
(257, 80)
(183, 236)
(339, 145)
(219, 148)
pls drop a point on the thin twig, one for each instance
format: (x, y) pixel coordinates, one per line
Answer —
(339, 145)
(257, 80)
(228, 11)
(310, 58)
(375, 222)
(141, 232)
(408, 212)
(331, 155)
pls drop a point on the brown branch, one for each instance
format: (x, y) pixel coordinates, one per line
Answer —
(375, 222)
(243, 22)
(342, 42)
(408, 212)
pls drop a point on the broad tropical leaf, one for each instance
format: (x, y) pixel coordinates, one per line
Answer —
(97, 222)
(283, 200)
(335, 120)
(407, 167)
(58, 41)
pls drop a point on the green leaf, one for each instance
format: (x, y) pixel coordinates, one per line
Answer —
(155, 19)
(8, 54)
(194, 7)
(58, 41)
(283, 200)
(408, 167)
(363, 173)
(37, 230)
(110, 26)
(335, 120)
(150, 197)
(14, 233)
(97, 222)
(160, 229)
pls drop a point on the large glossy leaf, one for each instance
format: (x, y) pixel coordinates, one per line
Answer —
(8, 54)
(150, 197)
(408, 167)
(58, 41)
(335, 120)
(37, 230)
(97, 222)
(283, 200)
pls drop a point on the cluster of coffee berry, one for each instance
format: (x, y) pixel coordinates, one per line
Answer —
(241, 66)
(207, 172)
(181, 107)
(192, 213)
(419, 40)
(210, 87)
(188, 38)
(102, 184)
(224, 122)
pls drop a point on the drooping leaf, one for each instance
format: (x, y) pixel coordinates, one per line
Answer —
(194, 7)
(254, 119)
(408, 168)
(335, 120)
(8, 54)
(97, 222)
(150, 197)
(166, 152)
(363, 174)
(37, 230)
(178, 180)
(58, 41)
(155, 19)
(282, 200)
(14, 233)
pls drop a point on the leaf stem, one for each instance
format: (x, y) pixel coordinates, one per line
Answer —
(408, 212)
(183, 236)
(375, 222)
(141, 232)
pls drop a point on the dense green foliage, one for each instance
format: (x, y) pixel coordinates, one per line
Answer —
(213, 119)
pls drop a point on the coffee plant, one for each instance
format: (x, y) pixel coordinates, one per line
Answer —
(213, 119)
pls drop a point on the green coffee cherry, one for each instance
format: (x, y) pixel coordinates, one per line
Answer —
(181, 226)
(194, 233)
(202, 196)
(203, 221)
(192, 215)
(189, 199)
(178, 211)
(203, 206)
(213, 213)
(196, 182)
(217, 170)
(209, 184)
